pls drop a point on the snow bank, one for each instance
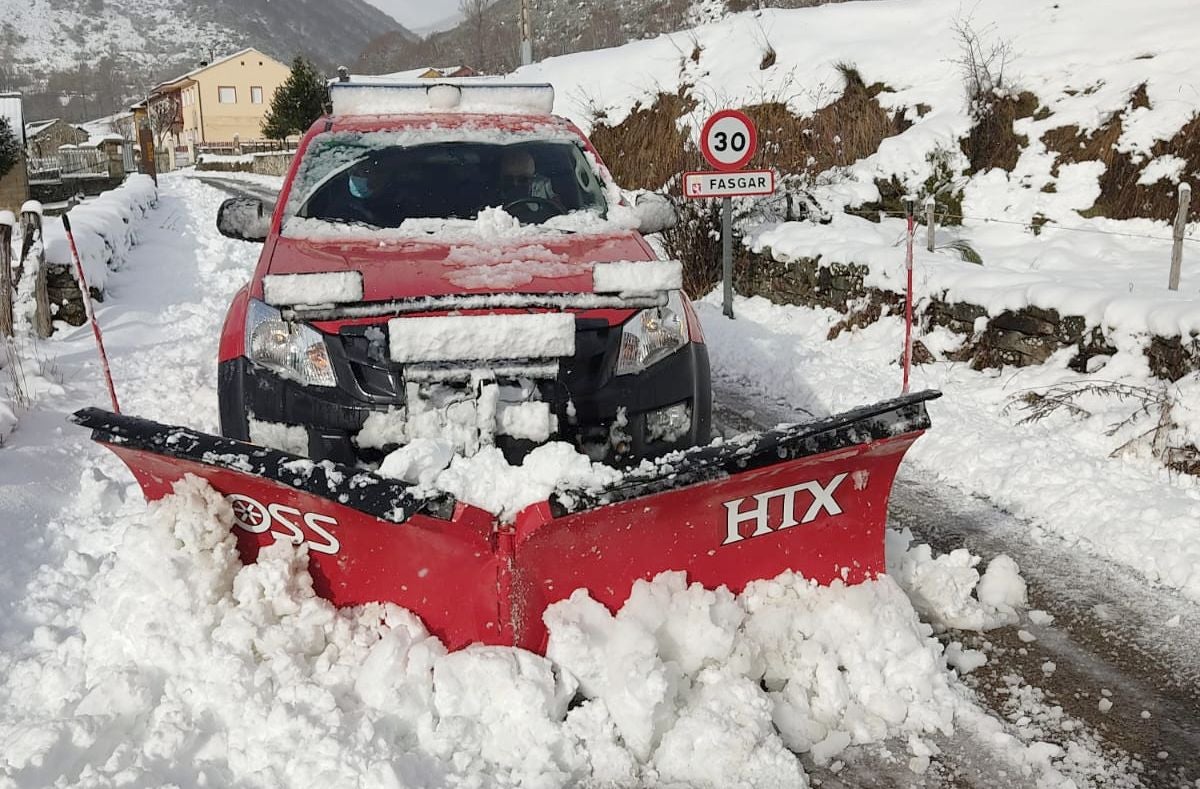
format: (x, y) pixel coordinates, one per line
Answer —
(105, 229)
(182, 656)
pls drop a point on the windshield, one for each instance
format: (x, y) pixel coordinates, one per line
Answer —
(384, 185)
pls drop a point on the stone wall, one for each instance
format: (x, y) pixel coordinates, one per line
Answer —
(1014, 337)
(62, 190)
(268, 163)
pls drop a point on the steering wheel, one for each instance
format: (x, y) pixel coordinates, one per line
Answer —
(532, 210)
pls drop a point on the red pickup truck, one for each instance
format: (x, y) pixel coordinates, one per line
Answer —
(411, 206)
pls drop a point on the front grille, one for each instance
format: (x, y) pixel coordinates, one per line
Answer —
(366, 371)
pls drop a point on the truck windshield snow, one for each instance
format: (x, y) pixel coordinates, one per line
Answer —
(384, 186)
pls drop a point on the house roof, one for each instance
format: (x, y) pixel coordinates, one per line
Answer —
(34, 128)
(188, 77)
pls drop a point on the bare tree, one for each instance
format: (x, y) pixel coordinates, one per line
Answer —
(164, 114)
(473, 12)
(982, 62)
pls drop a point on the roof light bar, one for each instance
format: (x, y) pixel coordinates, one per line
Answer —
(350, 98)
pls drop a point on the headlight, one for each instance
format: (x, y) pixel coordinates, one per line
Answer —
(294, 350)
(653, 335)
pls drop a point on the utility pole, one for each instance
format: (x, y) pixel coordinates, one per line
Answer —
(526, 33)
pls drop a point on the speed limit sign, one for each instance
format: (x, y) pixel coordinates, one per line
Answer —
(728, 140)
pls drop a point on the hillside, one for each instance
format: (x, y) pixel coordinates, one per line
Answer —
(559, 27)
(106, 51)
(1070, 114)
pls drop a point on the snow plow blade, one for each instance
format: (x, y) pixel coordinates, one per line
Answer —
(810, 497)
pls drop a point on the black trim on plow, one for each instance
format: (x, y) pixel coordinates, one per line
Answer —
(386, 499)
(905, 414)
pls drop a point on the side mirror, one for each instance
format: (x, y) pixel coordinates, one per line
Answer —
(655, 213)
(243, 218)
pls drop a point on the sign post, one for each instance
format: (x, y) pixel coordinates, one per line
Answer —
(728, 142)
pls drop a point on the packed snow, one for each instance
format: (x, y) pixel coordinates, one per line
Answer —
(476, 337)
(637, 278)
(328, 287)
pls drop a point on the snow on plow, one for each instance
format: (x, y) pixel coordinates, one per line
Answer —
(810, 497)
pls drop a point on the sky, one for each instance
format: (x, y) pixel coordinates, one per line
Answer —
(419, 16)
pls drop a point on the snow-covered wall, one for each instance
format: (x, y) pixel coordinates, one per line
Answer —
(105, 229)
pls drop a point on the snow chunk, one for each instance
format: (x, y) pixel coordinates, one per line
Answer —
(637, 277)
(476, 337)
(1169, 166)
(330, 287)
(419, 461)
(941, 587)
(276, 435)
(486, 479)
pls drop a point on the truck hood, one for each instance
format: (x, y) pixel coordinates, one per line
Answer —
(408, 268)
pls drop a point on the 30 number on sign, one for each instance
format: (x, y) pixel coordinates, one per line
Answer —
(728, 140)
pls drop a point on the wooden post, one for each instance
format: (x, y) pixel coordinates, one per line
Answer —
(33, 255)
(149, 163)
(6, 283)
(1181, 215)
(930, 220)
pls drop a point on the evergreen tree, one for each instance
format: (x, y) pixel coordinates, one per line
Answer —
(10, 147)
(299, 101)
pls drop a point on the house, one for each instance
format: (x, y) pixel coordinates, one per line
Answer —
(14, 185)
(43, 138)
(217, 102)
(452, 71)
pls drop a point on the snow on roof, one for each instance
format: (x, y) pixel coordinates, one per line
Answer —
(205, 67)
(34, 128)
(103, 126)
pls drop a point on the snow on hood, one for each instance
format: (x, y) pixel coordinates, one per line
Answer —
(406, 267)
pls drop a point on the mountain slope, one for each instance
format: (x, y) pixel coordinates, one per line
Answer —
(150, 39)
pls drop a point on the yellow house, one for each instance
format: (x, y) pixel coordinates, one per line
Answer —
(215, 103)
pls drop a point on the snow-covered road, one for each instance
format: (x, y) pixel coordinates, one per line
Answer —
(161, 319)
(135, 651)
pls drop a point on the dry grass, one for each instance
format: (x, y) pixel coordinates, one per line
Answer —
(1121, 196)
(649, 148)
(992, 141)
(652, 146)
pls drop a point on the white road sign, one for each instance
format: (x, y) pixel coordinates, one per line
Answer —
(742, 183)
(728, 140)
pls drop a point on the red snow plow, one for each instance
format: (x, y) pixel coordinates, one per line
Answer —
(809, 497)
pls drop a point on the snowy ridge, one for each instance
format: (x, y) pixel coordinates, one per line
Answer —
(1110, 54)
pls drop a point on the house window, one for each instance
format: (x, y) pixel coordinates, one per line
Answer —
(227, 95)
(256, 94)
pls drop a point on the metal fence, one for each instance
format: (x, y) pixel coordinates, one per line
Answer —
(239, 148)
(69, 163)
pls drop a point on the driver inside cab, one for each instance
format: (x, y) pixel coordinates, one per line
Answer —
(519, 178)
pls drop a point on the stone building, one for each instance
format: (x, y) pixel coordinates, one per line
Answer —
(43, 138)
